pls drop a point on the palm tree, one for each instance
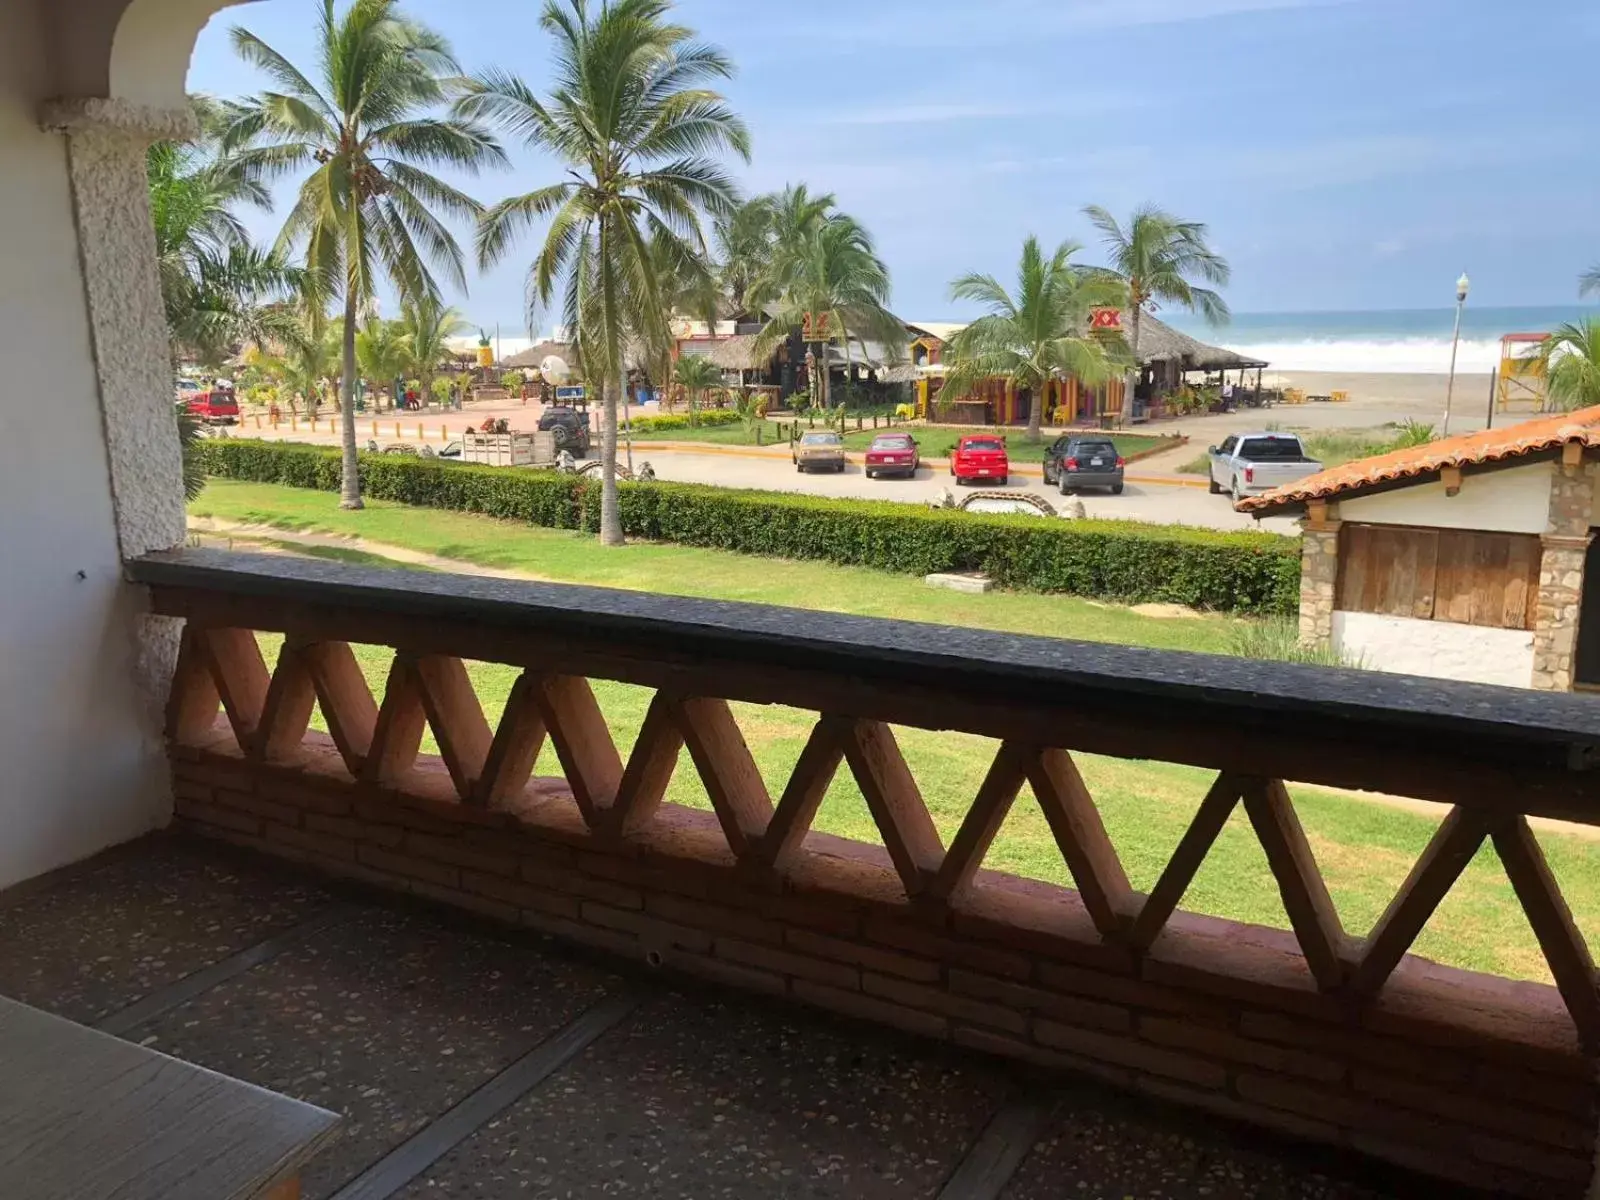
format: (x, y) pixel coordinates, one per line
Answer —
(1589, 282)
(696, 375)
(383, 352)
(1038, 333)
(744, 248)
(428, 326)
(635, 125)
(369, 130)
(217, 289)
(1571, 360)
(828, 278)
(1158, 256)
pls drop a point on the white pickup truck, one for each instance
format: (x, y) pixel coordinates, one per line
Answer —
(1247, 464)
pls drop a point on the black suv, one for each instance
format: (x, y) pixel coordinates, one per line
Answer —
(570, 426)
(1083, 460)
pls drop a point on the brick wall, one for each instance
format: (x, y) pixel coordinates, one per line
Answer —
(1466, 1076)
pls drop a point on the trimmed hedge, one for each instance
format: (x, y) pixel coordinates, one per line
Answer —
(713, 418)
(1113, 560)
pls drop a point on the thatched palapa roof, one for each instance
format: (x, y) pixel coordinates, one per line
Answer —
(536, 354)
(737, 353)
(1160, 342)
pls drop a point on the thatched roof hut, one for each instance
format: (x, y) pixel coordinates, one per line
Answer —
(1160, 342)
(537, 353)
(737, 353)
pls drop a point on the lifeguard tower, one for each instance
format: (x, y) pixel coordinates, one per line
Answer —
(1523, 385)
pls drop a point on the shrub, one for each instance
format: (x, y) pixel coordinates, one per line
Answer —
(1277, 639)
(669, 422)
(1113, 560)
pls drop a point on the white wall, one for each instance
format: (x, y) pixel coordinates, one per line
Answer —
(1437, 649)
(1509, 500)
(78, 770)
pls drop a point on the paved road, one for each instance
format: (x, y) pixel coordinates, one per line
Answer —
(1142, 501)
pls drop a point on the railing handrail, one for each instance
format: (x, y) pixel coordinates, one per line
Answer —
(1507, 725)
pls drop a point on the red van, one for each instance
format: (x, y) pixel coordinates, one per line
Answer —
(215, 406)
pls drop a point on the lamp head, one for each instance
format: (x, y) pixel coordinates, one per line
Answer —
(1463, 286)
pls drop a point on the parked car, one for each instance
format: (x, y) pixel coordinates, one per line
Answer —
(980, 456)
(893, 454)
(1078, 460)
(214, 406)
(570, 426)
(1248, 464)
(819, 451)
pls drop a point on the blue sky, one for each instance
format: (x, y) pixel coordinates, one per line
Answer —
(1347, 154)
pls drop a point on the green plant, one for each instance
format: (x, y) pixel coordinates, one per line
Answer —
(633, 124)
(1112, 560)
(1156, 255)
(1036, 334)
(369, 207)
(442, 389)
(191, 442)
(512, 381)
(696, 375)
(1589, 282)
(428, 326)
(1277, 639)
(1571, 360)
(1412, 432)
(671, 421)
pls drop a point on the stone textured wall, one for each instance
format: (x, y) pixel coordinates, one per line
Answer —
(1319, 580)
(1566, 547)
(1465, 1076)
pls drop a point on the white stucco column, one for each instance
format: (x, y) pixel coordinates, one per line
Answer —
(107, 141)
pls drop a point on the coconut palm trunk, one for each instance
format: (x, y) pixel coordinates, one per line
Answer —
(349, 475)
(610, 516)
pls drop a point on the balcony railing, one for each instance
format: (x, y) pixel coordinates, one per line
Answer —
(1326, 1035)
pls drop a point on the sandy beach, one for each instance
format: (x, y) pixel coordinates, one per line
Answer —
(1376, 399)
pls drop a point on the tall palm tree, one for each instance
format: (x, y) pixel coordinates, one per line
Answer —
(1571, 359)
(1589, 282)
(1159, 257)
(1039, 332)
(829, 279)
(369, 129)
(428, 325)
(636, 126)
(696, 375)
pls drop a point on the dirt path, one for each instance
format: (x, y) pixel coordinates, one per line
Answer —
(261, 538)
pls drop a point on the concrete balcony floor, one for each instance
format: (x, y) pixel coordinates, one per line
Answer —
(433, 1037)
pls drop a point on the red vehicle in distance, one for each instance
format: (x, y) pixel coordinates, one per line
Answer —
(216, 405)
(893, 454)
(980, 457)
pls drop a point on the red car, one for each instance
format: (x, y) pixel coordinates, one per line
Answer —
(893, 454)
(218, 406)
(980, 456)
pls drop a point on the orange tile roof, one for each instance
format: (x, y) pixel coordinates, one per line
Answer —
(1464, 450)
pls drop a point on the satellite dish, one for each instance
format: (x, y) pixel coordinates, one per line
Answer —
(555, 369)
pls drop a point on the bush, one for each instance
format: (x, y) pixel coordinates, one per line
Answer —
(1277, 639)
(1112, 560)
(668, 422)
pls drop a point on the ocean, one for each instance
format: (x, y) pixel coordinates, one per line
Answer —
(1411, 341)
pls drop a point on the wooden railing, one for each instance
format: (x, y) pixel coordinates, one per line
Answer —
(1497, 755)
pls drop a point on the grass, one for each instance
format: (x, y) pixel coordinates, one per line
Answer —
(935, 443)
(1364, 848)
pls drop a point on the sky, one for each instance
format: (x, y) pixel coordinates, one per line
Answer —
(1345, 154)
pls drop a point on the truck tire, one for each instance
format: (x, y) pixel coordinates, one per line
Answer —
(1235, 492)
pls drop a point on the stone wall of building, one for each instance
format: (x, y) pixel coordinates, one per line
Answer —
(1561, 571)
(1319, 578)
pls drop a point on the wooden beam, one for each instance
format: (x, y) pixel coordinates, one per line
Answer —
(650, 767)
(1559, 936)
(286, 714)
(397, 736)
(895, 801)
(1451, 478)
(583, 742)
(732, 780)
(193, 702)
(802, 796)
(1300, 882)
(515, 749)
(1081, 837)
(456, 717)
(982, 823)
(1180, 870)
(1452, 847)
(345, 699)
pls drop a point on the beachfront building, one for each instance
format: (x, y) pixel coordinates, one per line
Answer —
(1462, 559)
(1168, 359)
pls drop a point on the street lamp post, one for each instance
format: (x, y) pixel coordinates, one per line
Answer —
(1463, 285)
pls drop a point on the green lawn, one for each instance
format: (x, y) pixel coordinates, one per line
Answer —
(935, 443)
(1364, 848)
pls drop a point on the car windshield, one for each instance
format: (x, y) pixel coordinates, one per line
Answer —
(1095, 448)
(820, 439)
(983, 444)
(892, 443)
(1270, 447)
